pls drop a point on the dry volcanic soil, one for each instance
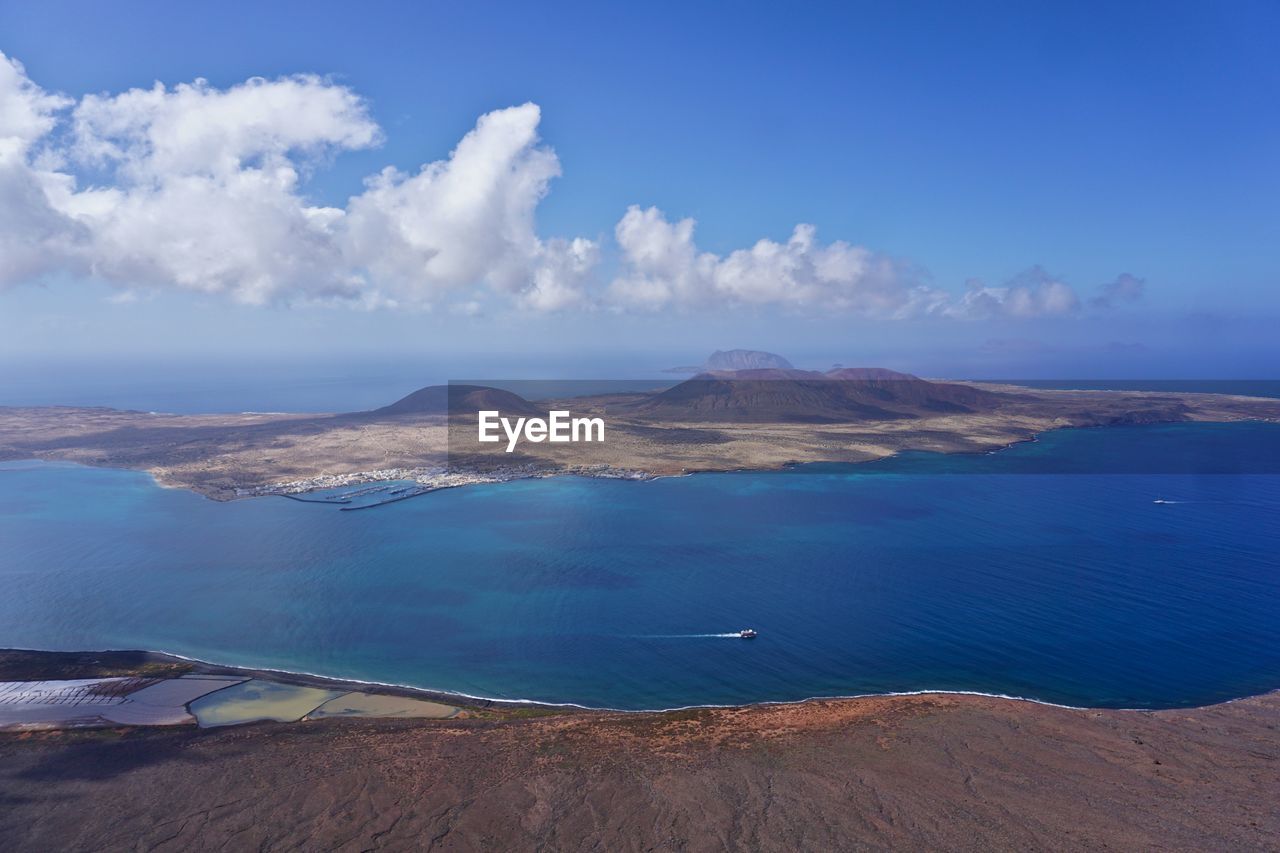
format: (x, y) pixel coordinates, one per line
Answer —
(909, 772)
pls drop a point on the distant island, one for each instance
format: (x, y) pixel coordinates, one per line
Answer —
(758, 417)
(737, 359)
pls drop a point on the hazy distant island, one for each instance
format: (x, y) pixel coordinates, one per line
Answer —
(734, 418)
(736, 359)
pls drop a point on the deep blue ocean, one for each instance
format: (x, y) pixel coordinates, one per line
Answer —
(1046, 570)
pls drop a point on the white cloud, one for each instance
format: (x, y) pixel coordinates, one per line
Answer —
(1033, 293)
(561, 274)
(202, 189)
(33, 234)
(156, 134)
(663, 267)
(27, 112)
(468, 219)
(662, 263)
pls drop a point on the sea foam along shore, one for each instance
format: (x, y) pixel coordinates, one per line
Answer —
(303, 677)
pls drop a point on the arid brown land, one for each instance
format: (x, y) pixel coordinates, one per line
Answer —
(222, 456)
(910, 772)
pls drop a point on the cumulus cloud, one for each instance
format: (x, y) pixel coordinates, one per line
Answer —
(561, 274)
(469, 219)
(1033, 293)
(1037, 293)
(27, 112)
(203, 189)
(663, 267)
(200, 189)
(32, 230)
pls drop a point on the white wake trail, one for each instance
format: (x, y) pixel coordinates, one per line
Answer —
(733, 634)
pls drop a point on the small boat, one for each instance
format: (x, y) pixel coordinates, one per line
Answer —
(747, 634)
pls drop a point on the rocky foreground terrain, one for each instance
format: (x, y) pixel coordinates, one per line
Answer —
(911, 772)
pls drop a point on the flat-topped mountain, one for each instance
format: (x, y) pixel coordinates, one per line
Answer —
(745, 359)
(809, 396)
(459, 399)
(738, 359)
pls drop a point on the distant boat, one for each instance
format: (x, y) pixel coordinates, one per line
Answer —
(1161, 501)
(747, 634)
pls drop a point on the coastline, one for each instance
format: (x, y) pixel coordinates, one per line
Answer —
(226, 457)
(443, 480)
(929, 771)
(470, 700)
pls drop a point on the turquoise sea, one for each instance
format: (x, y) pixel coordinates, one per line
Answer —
(1046, 570)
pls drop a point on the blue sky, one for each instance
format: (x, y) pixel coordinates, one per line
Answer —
(1081, 142)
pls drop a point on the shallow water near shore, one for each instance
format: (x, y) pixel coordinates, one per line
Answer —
(1047, 570)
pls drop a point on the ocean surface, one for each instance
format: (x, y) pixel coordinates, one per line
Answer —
(325, 385)
(1244, 387)
(1046, 570)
